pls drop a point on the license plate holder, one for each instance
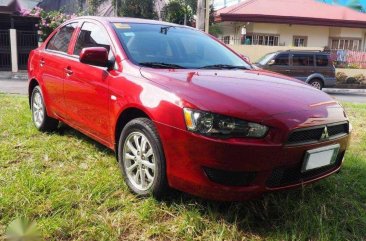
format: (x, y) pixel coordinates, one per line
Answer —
(320, 157)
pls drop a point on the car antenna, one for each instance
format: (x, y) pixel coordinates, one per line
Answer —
(164, 30)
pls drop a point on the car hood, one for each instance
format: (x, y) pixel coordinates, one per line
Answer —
(254, 94)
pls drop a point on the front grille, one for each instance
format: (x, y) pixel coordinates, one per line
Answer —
(228, 178)
(284, 176)
(318, 133)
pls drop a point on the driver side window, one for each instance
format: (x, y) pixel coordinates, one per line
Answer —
(91, 35)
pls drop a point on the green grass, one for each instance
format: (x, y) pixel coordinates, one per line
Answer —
(71, 186)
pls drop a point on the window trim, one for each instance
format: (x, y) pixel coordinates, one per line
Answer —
(331, 39)
(300, 37)
(264, 35)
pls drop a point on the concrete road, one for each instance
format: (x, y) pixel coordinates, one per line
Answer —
(355, 96)
(14, 86)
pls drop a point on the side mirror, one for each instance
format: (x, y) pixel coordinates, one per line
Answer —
(272, 62)
(245, 58)
(97, 56)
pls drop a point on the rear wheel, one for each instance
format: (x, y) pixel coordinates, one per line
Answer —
(141, 158)
(316, 83)
(39, 112)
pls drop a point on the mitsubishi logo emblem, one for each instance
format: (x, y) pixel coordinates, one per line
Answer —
(325, 134)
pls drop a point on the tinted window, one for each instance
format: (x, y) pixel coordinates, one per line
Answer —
(60, 41)
(322, 60)
(281, 59)
(303, 60)
(174, 45)
(91, 35)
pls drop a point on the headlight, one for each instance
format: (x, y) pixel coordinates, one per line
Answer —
(210, 124)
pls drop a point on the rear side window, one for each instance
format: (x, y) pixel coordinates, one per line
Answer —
(282, 60)
(91, 35)
(322, 60)
(303, 60)
(61, 40)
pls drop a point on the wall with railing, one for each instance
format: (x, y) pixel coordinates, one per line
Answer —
(349, 58)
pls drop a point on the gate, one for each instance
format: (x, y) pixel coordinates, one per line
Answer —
(5, 52)
(26, 42)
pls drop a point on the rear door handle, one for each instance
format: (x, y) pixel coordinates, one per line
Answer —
(68, 71)
(287, 70)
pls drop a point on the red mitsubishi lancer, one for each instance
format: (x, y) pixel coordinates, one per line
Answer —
(183, 111)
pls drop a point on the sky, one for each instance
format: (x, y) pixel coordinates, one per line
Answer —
(220, 3)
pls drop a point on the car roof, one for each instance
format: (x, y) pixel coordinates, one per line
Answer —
(128, 20)
(303, 52)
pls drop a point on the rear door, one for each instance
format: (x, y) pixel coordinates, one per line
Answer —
(86, 87)
(302, 65)
(52, 62)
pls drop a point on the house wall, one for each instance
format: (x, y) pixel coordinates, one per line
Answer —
(318, 36)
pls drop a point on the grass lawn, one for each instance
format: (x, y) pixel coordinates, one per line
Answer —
(71, 186)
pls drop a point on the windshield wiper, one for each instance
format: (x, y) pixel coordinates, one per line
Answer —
(161, 65)
(223, 66)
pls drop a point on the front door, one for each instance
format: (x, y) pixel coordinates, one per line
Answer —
(280, 64)
(86, 89)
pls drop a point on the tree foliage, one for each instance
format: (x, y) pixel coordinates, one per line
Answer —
(136, 8)
(178, 10)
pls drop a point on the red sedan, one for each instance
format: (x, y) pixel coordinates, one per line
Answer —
(183, 111)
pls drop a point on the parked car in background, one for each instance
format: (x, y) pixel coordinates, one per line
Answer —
(312, 67)
(181, 110)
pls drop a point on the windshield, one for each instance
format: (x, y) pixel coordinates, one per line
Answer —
(162, 46)
(264, 60)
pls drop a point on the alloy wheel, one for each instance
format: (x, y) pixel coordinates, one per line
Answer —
(139, 161)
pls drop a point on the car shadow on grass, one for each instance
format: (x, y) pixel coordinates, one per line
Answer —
(65, 130)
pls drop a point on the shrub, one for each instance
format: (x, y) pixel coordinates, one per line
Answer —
(49, 21)
(341, 78)
(360, 78)
(352, 80)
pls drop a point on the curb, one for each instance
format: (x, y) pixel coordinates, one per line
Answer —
(344, 91)
(5, 75)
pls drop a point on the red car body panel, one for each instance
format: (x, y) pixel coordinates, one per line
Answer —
(92, 99)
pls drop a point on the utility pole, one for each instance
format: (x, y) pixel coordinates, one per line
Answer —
(207, 16)
(200, 22)
(116, 10)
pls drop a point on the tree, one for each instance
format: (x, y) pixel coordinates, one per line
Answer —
(180, 11)
(356, 5)
(136, 8)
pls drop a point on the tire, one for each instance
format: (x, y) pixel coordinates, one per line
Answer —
(316, 83)
(40, 118)
(146, 158)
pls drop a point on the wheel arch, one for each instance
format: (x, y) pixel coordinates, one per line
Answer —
(124, 117)
(32, 84)
(315, 76)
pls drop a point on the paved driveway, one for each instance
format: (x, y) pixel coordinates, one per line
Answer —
(14, 86)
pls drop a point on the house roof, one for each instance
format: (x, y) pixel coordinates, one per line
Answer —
(307, 12)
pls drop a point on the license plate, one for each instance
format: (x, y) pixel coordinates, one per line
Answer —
(320, 157)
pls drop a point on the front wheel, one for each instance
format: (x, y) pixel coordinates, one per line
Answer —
(141, 158)
(39, 112)
(316, 83)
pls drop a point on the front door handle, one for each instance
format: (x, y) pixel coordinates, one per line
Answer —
(42, 62)
(287, 70)
(68, 71)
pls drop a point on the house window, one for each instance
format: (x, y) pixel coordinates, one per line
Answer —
(263, 39)
(227, 39)
(300, 41)
(345, 43)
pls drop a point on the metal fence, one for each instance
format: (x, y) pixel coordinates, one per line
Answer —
(26, 42)
(5, 53)
(349, 58)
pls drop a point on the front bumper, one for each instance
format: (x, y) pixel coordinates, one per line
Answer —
(274, 166)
